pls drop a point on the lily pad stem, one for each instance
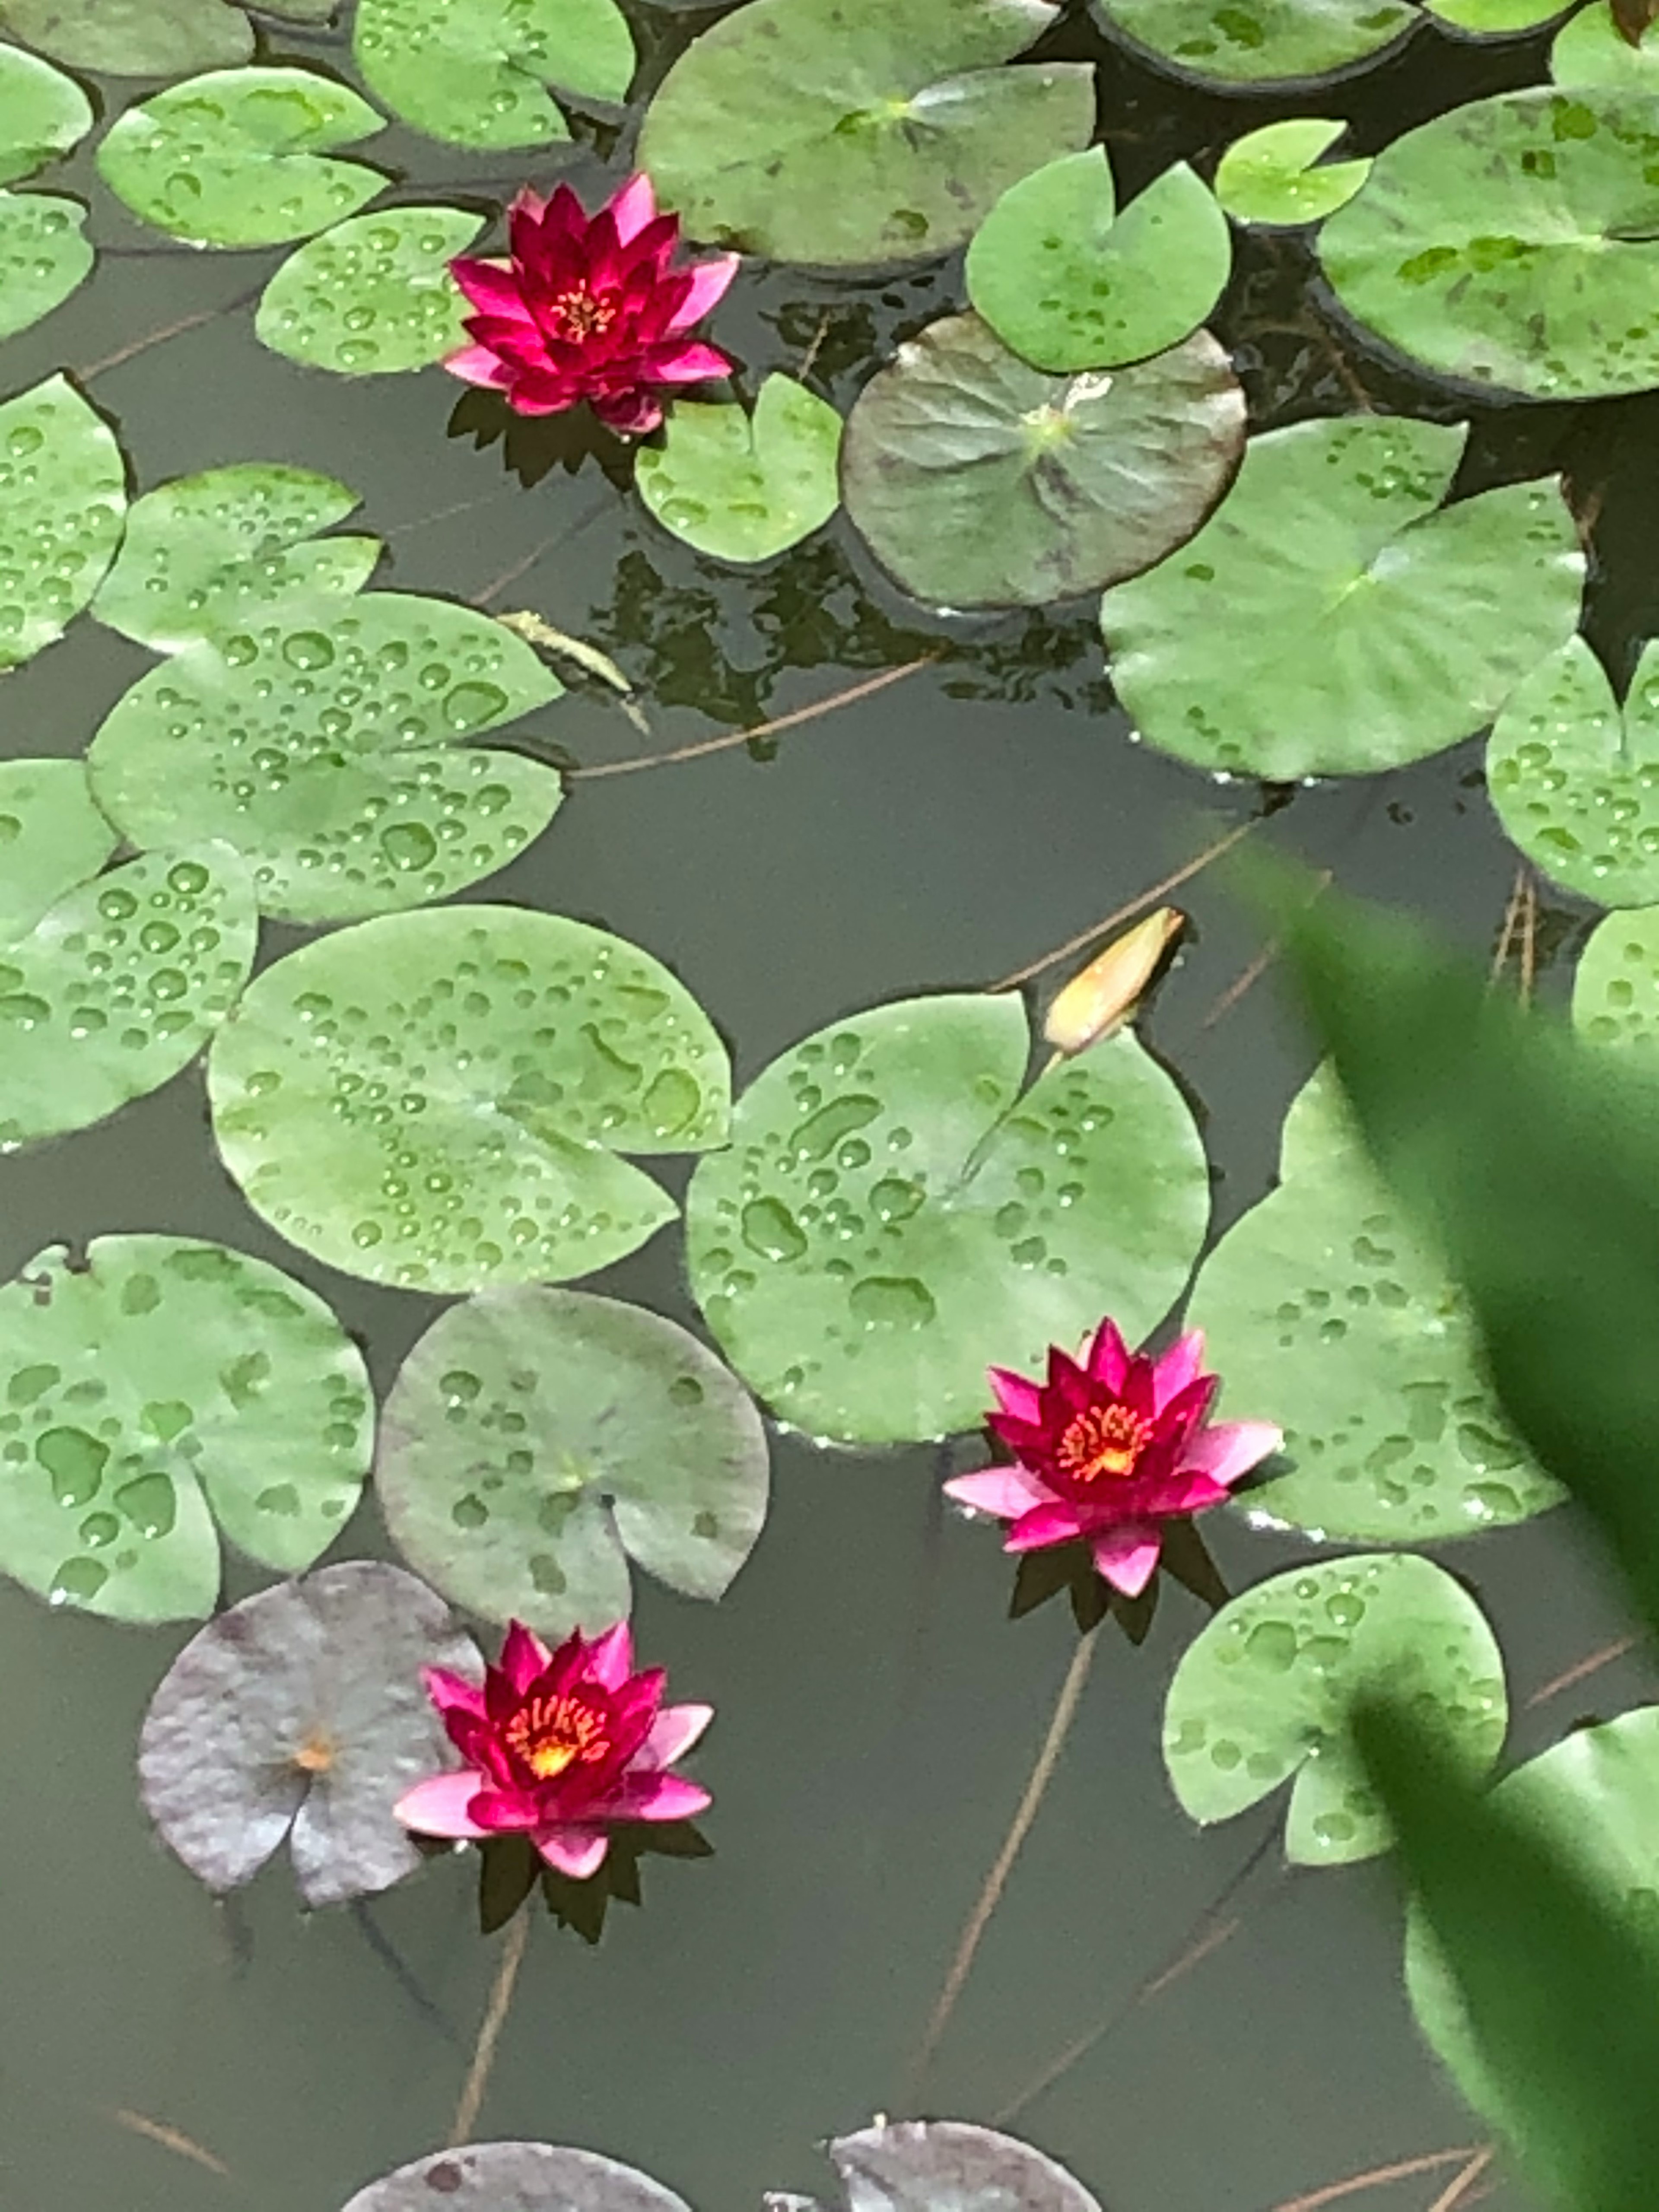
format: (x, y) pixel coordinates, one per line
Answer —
(489, 2031)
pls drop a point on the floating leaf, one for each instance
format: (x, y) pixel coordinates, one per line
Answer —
(44, 256)
(1495, 19)
(52, 837)
(536, 1440)
(835, 132)
(1616, 992)
(153, 1388)
(373, 296)
(62, 497)
(238, 157)
(1275, 175)
(332, 746)
(949, 2166)
(1329, 621)
(133, 38)
(43, 114)
(1591, 49)
(474, 72)
(516, 2176)
(1265, 1691)
(743, 489)
(436, 1100)
(1260, 42)
(1514, 243)
(301, 1714)
(1326, 1314)
(978, 481)
(1070, 284)
(206, 555)
(896, 1213)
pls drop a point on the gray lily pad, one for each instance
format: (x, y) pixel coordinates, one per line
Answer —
(437, 1100)
(1264, 1693)
(63, 500)
(373, 296)
(744, 487)
(476, 72)
(977, 480)
(332, 745)
(516, 2176)
(43, 114)
(1324, 1312)
(1514, 243)
(897, 1212)
(535, 1441)
(299, 1714)
(153, 1388)
(133, 38)
(949, 2165)
(836, 132)
(1260, 42)
(1616, 992)
(241, 157)
(1332, 618)
(210, 555)
(1070, 284)
(1276, 175)
(44, 256)
(52, 837)
(1591, 49)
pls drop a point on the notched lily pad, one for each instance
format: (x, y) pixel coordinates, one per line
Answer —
(63, 501)
(1276, 175)
(1265, 1692)
(1260, 42)
(477, 72)
(744, 487)
(536, 1441)
(949, 2165)
(373, 296)
(133, 38)
(43, 114)
(1591, 49)
(516, 2176)
(301, 1714)
(1616, 992)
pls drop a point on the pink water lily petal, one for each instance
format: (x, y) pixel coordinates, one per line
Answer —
(674, 1732)
(1127, 1555)
(709, 282)
(452, 1693)
(1016, 1395)
(1231, 1448)
(610, 1657)
(438, 1806)
(491, 287)
(633, 412)
(633, 207)
(524, 1656)
(1108, 1355)
(1182, 1363)
(476, 364)
(663, 1797)
(1187, 1492)
(1005, 1491)
(574, 1848)
(689, 364)
(1043, 1526)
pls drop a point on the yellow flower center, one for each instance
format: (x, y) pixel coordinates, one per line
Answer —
(550, 1734)
(1102, 1440)
(580, 314)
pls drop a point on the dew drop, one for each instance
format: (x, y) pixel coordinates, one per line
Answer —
(771, 1230)
(895, 1301)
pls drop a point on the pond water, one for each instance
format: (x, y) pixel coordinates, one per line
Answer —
(878, 1715)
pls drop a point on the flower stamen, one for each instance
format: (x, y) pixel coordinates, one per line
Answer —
(1102, 1440)
(580, 314)
(550, 1734)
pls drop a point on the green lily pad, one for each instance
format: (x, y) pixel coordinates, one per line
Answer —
(1260, 42)
(977, 480)
(133, 38)
(43, 114)
(1324, 1312)
(535, 1441)
(1070, 284)
(527, 2176)
(476, 72)
(1576, 780)
(52, 837)
(1332, 619)
(1514, 243)
(333, 744)
(240, 157)
(1591, 49)
(373, 296)
(153, 1388)
(437, 1100)
(1263, 1694)
(743, 488)
(63, 500)
(1616, 992)
(1275, 175)
(836, 132)
(208, 556)
(897, 1212)
(44, 256)
(1494, 19)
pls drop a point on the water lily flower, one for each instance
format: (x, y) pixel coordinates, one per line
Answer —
(1109, 1449)
(559, 1745)
(589, 307)
(1102, 997)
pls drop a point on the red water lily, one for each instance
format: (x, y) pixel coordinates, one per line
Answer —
(589, 307)
(1109, 1449)
(559, 1745)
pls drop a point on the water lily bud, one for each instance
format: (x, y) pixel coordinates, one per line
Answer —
(1101, 998)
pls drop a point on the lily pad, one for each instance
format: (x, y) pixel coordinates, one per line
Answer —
(332, 745)
(133, 38)
(207, 555)
(535, 1441)
(1263, 1695)
(743, 488)
(240, 157)
(949, 2165)
(1616, 992)
(1591, 49)
(437, 1100)
(373, 296)
(63, 500)
(516, 2176)
(977, 480)
(52, 837)
(1514, 243)
(1070, 284)
(1494, 19)
(1276, 175)
(476, 72)
(153, 1388)
(1325, 1313)
(299, 1714)
(44, 256)
(1576, 780)
(43, 114)
(836, 132)
(1332, 618)
(897, 1212)
(1260, 42)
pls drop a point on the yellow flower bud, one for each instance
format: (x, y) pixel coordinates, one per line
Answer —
(1101, 998)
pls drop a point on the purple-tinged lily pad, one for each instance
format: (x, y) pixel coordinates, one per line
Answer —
(515, 2177)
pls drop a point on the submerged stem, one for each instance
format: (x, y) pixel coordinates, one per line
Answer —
(490, 2031)
(1374, 2177)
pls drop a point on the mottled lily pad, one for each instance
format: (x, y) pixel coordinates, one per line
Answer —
(1263, 1694)
(1276, 175)
(1591, 49)
(333, 744)
(44, 256)
(1616, 992)
(133, 38)
(535, 1441)
(977, 480)
(897, 1213)
(152, 1389)
(476, 72)
(744, 487)
(43, 114)
(516, 2176)
(1260, 42)
(63, 500)
(299, 1714)
(1328, 1315)
(437, 1100)
(373, 296)
(949, 2165)
(836, 132)
(1333, 618)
